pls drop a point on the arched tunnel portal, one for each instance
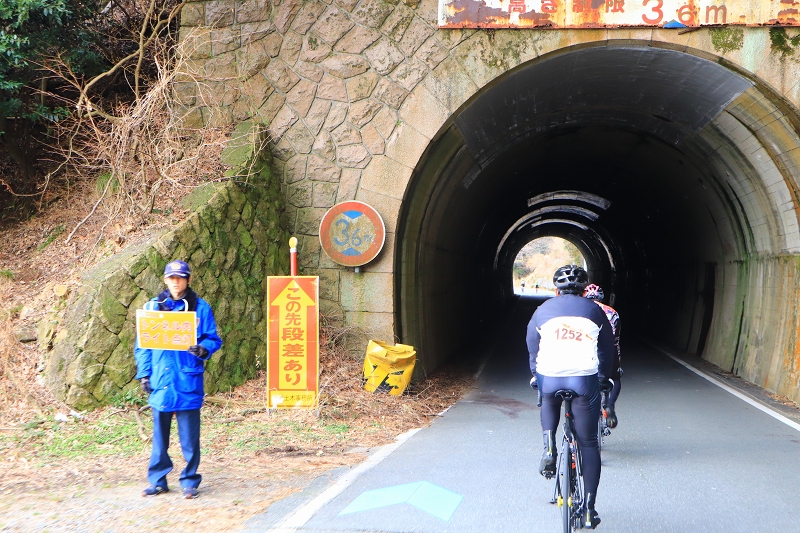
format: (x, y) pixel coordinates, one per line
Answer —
(674, 175)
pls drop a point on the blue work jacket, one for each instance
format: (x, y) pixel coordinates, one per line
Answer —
(176, 376)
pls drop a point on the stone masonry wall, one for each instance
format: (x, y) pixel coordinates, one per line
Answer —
(354, 91)
(232, 241)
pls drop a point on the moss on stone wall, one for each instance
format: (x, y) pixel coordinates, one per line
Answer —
(232, 240)
(727, 39)
(781, 43)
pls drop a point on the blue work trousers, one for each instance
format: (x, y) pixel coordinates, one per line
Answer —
(189, 434)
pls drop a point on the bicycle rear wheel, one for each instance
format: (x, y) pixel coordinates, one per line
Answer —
(600, 431)
(578, 494)
(566, 488)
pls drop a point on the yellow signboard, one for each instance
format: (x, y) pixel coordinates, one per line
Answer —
(166, 330)
(293, 341)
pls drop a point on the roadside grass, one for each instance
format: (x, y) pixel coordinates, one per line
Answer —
(123, 430)
(114, 435)
(115, 432)
(274, 433)
(95, 436)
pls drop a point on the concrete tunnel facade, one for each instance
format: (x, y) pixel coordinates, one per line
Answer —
(671, 163)
(662, 167)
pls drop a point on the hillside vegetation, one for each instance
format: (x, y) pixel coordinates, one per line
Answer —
(539, 259)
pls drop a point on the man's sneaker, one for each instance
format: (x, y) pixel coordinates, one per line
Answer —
(154, 490)
(189, 493)
(611, 416)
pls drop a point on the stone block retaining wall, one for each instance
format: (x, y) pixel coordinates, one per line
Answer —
(232, 241)
(355, 91)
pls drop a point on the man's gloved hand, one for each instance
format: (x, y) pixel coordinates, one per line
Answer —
(146, 388)
(534, 383)
(198, 351)
(606, 384)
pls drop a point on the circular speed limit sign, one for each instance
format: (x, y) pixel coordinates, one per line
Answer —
(352, 233)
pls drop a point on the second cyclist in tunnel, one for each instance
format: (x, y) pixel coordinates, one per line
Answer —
(571, 346)
(594, 292)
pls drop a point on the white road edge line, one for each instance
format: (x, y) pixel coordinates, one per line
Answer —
(303, 514)
(743, 397)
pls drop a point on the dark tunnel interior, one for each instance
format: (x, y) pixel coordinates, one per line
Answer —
(634, 154)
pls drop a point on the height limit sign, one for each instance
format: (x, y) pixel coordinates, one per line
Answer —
(352, 233)
(293, 341)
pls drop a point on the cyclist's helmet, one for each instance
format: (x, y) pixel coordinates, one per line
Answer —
(593, 292)
(571, 279)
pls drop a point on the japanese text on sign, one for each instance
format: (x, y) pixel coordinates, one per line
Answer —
(166, 330)
(293, 341)
(613, 13)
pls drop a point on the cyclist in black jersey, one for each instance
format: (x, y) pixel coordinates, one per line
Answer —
(571, 346)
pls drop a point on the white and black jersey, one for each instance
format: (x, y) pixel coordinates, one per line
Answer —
(570, 336)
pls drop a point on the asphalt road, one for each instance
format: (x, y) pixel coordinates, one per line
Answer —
(687, 456)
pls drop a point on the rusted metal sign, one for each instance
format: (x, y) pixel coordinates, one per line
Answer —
(352, 233)
(615, 13)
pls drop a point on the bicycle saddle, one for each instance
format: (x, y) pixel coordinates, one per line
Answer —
(566, 394)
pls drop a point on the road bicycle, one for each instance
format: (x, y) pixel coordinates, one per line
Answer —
(603, 429)
(568, 493)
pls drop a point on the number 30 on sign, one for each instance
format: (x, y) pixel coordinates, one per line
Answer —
(352, 233)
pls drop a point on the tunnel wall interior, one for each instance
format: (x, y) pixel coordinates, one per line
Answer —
(675, 177)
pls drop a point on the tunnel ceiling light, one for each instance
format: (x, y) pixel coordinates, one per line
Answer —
(578, 196)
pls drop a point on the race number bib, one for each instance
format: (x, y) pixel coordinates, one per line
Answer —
(568, 347)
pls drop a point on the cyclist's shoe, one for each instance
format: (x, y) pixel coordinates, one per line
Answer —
(590, 518)
(611, 416)
(547, 466)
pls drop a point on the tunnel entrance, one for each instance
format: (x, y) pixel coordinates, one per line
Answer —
(655, 163)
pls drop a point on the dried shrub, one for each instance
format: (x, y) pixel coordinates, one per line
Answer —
(371, 418)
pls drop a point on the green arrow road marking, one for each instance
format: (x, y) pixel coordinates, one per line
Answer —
(435, 500)
(428, 497)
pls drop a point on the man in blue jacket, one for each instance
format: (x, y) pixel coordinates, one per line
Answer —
(173, 379)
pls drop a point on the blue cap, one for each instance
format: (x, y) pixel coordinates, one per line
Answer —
(177, 268)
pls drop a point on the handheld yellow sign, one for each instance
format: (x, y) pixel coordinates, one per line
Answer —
(166, 330)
